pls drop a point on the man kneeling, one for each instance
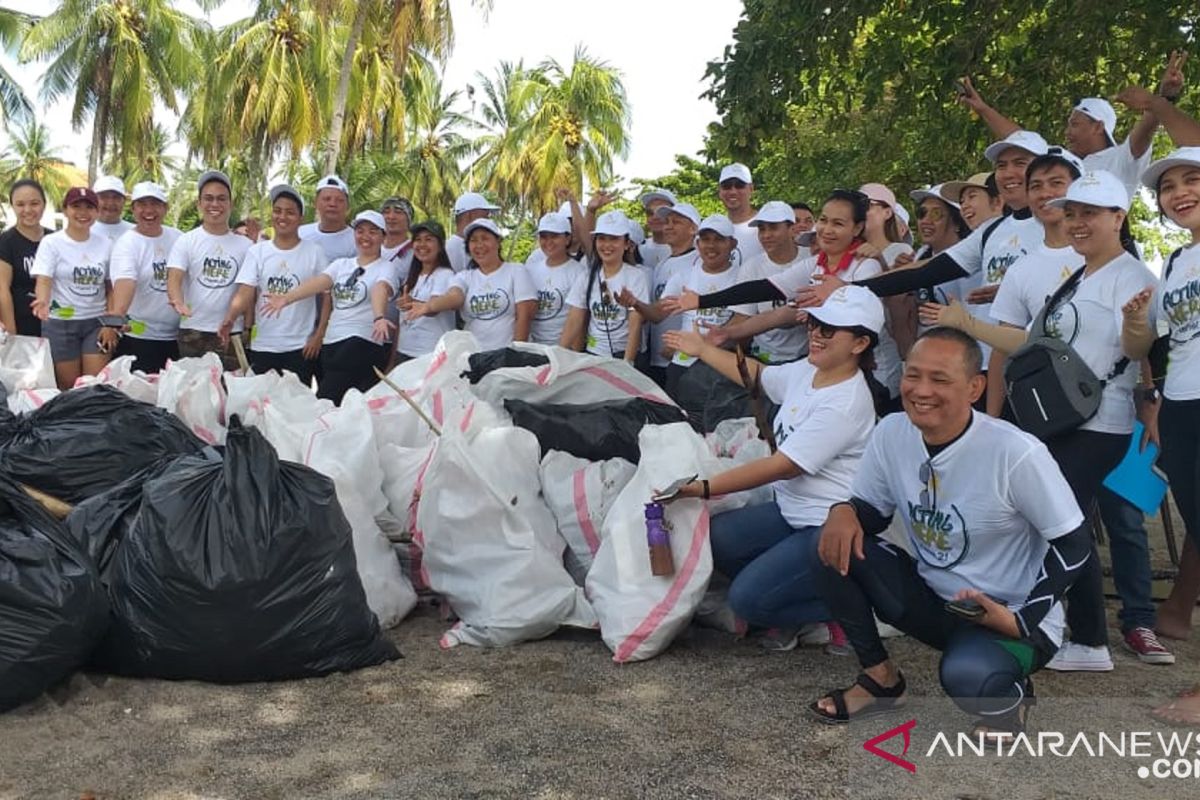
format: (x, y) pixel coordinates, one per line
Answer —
(997, 540)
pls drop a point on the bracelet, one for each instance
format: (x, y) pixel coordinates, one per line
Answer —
(380, 317)
(704, 483)
(842, 503)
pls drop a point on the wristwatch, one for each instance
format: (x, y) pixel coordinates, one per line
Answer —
(113, 321)
(1146, 394)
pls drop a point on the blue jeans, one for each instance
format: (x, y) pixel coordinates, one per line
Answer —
(1130, 551)
(772, 565)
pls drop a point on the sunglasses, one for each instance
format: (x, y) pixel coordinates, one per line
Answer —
(935, 214)
(929, 481)
(825, 330)
(734, 183)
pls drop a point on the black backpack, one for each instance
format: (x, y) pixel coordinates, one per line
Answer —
(1051, 389)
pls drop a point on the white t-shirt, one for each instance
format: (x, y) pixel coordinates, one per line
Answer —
(778, 345)
(1029, 283)
(335, 245)
(274, 271)
(553, 284)
(995, 498)
(1090, 321)
(456, 249)
(78, 271)
(143, 260)
(653, 252)
(535, 257)
(1119, 160)
(490, 310)
(985, 265)
(352, 313)
(420, 336)
(824, 432)
(1178, 302)
(748, 247)
(113, 230)
(700, 282)
(390, 253)
(212, 264)
(662, 274)
(608, 322)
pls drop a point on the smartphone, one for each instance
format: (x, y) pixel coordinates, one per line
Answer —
(671, 491)
(961, 89)
(968, 609)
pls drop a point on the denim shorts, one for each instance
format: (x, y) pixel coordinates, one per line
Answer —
(71, 338)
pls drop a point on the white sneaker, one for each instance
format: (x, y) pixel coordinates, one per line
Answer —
(1073, 657)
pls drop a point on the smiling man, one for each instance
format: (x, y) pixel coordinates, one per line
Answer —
(735, 188)
(110, 193)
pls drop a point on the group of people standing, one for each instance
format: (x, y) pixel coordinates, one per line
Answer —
(991, 559)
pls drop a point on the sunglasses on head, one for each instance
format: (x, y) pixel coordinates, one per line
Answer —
(733, 183)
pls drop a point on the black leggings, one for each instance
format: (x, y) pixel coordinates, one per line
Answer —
(1085, 458)
(149, 355)
(292, 361)
(349, 364)
(1179, 426)
(984, 672)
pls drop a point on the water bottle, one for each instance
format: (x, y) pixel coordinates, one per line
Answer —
(659, 540)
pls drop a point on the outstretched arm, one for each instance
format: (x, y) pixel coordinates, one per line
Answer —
(1000, 125)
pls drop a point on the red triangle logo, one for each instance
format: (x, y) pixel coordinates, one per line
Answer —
(872, 745)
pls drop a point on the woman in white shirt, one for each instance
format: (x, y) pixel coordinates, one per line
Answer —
(360, 288)
(598, 322)
(429, 276)
(826, 416)
(495, 297)
(71, 273)
(553, 275)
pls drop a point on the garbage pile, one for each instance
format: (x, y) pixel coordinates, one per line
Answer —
(242, 529)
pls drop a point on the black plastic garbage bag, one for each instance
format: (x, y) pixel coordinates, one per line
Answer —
(8, 420)
(710, 398)
(489, 360)
(595, 431)
(86, 441)
(236, 568)
(53, 609)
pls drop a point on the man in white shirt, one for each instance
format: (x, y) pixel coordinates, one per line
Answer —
(398, 216)
(656, 248)
(735, 188)
(330, 231)
(201, 270)
(469, 207)
(110, 191)
(997, 540)
(138, 271)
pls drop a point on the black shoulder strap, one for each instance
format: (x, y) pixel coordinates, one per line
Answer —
(1064, 289)
(1170, 264)
(987, 232)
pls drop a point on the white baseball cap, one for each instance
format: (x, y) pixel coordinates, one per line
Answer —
(717, 223)
(333, 182)
(1025, 140)
(851, 306)
(109, 183)
(554, 222)
(685, 210)
(1099, 188)
(934, 192)
(1184, 156)
(612, 223)
(370, 215)
(472, 201)
(657, 194)
(902, 213)
(484, 223)
(636, 233)
(735, 170)
(146, 189)
(1100, 110)
(773, 211)
(1058, 151)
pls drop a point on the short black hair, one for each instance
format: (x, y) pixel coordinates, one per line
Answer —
(26, 183)
(796, 206)
(990, 186)
(972, 353)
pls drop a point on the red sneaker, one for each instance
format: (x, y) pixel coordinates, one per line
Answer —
(1144, 643)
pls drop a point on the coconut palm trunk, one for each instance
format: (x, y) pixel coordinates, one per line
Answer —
(343, 87)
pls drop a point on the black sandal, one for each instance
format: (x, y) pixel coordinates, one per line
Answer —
(887, 698)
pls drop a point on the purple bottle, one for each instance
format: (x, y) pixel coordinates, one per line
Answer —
(659, 540)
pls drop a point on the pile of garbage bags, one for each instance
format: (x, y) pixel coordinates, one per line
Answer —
(509, 484)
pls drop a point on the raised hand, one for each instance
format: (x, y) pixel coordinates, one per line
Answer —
(983, 295)
(970, 98)
(274, 303)
(1139, 305)
(687, 300)
(819, 292)
(1171, 85)
(688, 342)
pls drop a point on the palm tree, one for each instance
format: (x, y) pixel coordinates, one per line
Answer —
(118, 57)
(14, 105)
(434, 147)
(153, 164)
(30, 155)
(504, 164)
(402, 25)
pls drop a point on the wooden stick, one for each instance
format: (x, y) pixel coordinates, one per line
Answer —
(57, 508)
(404, 395)
(240, 351)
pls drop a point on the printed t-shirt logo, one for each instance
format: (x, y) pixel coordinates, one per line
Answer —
(87, 280)
(550, 303)
(998, 265)
(217, 271)
(348, 294)
(939, 533)
(1181, 308)
(489, 304)
(608, 317)
(283, 281)
(158, 272)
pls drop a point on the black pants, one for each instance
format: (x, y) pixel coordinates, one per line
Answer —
(983, 671)
(350, 364)
(149, 355)
(292, 361)
(1179, 425)
(1085, 458)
